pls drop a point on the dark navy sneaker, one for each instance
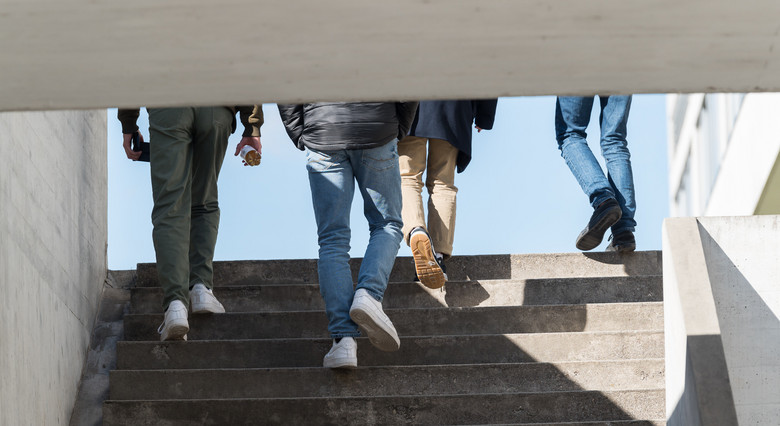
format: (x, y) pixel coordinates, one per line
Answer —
(604, 216)
(622, 242)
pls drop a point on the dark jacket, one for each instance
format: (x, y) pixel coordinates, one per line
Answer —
(451, 121)
(251, 118)
(331, 126)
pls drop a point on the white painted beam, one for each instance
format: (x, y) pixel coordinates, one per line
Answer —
(98, 53)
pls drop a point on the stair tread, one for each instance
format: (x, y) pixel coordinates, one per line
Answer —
(530, 377)
(448, 409)
(417, 321)
(638, 422)
(410, 367)
(547, 280)
(431, 350)
(475, 293)
(543, 339)
(441, 396)
(454, 308)
(535, 265)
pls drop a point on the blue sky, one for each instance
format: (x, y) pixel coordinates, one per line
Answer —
(517, 195)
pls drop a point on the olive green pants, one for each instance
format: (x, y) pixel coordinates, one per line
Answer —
(187, 147)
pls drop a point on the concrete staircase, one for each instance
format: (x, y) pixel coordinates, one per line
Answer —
(521, 339)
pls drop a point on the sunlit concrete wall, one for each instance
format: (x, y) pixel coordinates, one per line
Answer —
(53, 234)
(722, 320)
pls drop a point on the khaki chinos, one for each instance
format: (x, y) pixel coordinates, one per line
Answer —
(437, 158)
(186, 153)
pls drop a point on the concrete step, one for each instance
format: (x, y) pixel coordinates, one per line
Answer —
(612, 423)
(417, 322)
(444, 409)
(466, 349)
(383, 381)
(547, 291)
(459, 268)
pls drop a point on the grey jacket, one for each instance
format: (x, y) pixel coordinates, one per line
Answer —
(330, 126)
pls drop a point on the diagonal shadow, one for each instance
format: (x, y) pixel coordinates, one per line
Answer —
(468, 291)
(549, 384)
(747, 344)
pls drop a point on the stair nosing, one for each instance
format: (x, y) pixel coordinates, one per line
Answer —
(409, 367)
(394, 396)
(452, 282)
(404, 337)
(437, 308)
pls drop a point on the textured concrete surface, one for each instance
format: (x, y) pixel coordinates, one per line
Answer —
(743, 264)
(52, 255)
(516, 345)
(548, 291)
(613, 423)
(459, 268)
(417, 322)
(378, 381)
(450, 409)
(466, 349)
(101, 358)
(722, 319)
(689, 311)
(202, 52)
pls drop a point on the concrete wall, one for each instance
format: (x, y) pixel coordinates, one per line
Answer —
(204, 52)
(722, 320)
(53, 234)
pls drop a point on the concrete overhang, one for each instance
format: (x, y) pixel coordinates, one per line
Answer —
(57, 54)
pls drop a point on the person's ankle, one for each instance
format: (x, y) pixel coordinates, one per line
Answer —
(607, 201)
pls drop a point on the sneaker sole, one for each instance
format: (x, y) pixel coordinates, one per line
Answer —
(207, 308)
(175, 332)
(592, 237)
(348, 364)
(378, 334)
(428, 270)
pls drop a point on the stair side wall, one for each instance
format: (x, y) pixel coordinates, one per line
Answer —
(53, 236)
(722, 320)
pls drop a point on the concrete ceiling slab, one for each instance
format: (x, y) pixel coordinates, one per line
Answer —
(57, 54)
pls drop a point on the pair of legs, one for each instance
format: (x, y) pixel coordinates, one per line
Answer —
(430, 244)
(438, 158)
(186, 153)
(332, 178)
(572, 115)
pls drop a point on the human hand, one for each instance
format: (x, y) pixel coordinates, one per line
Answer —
(253, 141)
(479, 129)
(126, 138)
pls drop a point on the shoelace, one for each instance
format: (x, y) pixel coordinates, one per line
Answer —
(160, 328)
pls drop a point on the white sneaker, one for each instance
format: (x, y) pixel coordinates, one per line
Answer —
(367, 313)
(204, 302)
(342, 355)
(175, 325)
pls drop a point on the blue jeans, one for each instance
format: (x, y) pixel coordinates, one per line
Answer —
(332, 177)
(572, 114)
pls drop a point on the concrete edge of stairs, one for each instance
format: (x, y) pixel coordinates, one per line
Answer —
(514, 266)
(102, 355)
(115, 304)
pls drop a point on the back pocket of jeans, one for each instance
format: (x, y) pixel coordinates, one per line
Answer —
(322, 161)
(381, 158)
